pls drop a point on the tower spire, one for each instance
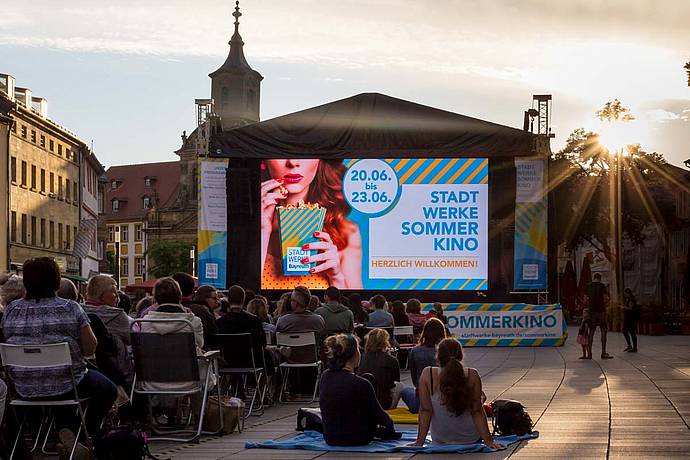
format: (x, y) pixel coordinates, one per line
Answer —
(237, 15)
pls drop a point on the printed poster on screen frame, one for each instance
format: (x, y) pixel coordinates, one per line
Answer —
(212, 234)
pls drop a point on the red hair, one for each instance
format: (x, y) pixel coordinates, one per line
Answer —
(327, 190)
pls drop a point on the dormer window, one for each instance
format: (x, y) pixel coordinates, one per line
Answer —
(116, 205)
(147, 202)
(147, 182)
(113, 184)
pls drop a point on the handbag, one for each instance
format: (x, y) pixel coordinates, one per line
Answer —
(233, 414)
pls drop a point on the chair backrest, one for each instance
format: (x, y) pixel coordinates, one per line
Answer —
(163, 358)
(403, 331)
(237, 350)
(269, 338)
(36, 356)
(295, 339)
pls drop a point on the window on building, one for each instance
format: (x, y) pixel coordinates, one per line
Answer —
(139, 266)
(147, 182)
(147, 202)
(124, 266)
(59, 149)
(43, 141)
(51, 145)
(43, 180)
(60, 188)
(61, 241)
(113, 185)
(124, 233)
(43, 233)
(111, 234)
(68, 237)
(33, 136)
(138, 232)
(116, 205)
(101, 206)
(68, 154)
(24, 167)
(75, 193)
(33, 230)
(52, 182)
(68, 190)
(33, 177)
(52, 234)
(13, 169)
(13, 227)
(24, 229)
(24, 131)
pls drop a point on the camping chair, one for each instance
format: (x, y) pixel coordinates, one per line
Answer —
(404, 336)
(238, 353)
(168, 365)
(299, 339)
(56, 355)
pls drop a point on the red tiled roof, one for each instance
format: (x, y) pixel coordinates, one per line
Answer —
(132, 189)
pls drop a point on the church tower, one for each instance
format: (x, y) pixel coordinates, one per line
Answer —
(235, 86)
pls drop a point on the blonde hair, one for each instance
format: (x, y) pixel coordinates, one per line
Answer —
(258, 306)
(377, 340)
(340, 348)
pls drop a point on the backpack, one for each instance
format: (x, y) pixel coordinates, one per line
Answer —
(309, 419)
(510, 418)
(123, 442)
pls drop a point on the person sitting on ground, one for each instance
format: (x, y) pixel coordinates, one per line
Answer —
(239, 321)
(202, 303)
(41, 317)
(351, 414)
(302, 320)
(437, 311)
(336, 316)
(361, 316)
(399, 316)
(451, 401)
(380, 317)
(102, 299)
(417, 318)
(378, 362)
(421, 357)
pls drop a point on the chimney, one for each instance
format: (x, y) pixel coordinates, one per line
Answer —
(7, 85)
(40, 105)
(23, 96)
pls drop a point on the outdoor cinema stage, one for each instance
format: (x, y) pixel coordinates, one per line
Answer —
(420, 202)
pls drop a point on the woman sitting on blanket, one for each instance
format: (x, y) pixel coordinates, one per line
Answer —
(351, 414)
(451, 401)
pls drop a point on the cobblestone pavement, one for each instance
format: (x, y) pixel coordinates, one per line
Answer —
(632, 406)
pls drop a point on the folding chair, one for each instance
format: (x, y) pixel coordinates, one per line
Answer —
(299, 339)
(238, 353)
(167, 365)
(56, 355)
(404, 336)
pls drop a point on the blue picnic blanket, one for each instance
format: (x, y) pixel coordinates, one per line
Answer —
(312, 440)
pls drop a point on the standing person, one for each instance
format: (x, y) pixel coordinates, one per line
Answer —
(378, 362)
(451, 401)
(336, 316)
(40, 318)
(202, 303)
(352, 416)
(380, 317)
(631, 315)
(596, 298)
(102, 299)
(421, 357)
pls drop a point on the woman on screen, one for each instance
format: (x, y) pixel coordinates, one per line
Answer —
(339, 245)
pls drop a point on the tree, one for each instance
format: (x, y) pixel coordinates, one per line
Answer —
(687, 68)
(168, 257)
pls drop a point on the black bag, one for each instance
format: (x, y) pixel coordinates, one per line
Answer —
(309, 420)
(123, 442)
(510, 418)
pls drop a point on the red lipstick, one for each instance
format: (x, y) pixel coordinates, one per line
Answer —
(292, 178)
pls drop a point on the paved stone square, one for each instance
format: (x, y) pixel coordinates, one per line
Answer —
(633, 406)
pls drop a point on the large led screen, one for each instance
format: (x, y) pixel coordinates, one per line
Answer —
(411, 224)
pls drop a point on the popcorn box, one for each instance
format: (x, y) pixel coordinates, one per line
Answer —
(297, 224)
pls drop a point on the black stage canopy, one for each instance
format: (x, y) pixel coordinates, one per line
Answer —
(373, 125)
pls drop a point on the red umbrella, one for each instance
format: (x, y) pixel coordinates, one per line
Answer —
(569, 288)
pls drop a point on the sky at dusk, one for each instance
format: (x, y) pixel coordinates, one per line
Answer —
(124, 74)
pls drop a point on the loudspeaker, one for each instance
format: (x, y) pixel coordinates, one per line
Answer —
(239, 187)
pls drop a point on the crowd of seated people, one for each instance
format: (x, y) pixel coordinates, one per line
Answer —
(360, 382)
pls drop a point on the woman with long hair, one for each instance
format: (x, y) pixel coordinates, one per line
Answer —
(378, 362)
(451, 401)
(400, 318)
(421, 357)
(351, 414)
(339, 245)
(361, 316)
